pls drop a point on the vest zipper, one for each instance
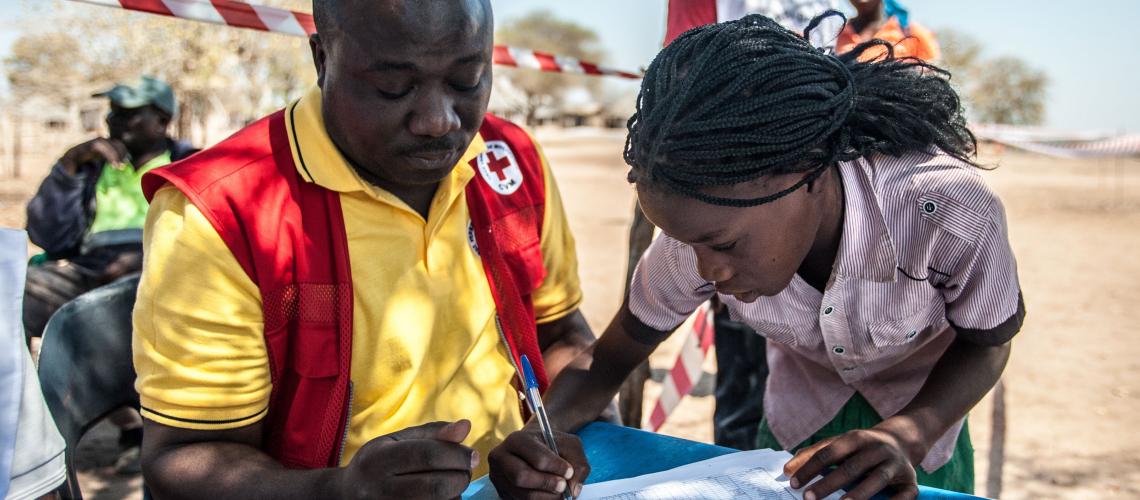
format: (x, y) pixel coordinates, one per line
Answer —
(514, 364)
(347, 420)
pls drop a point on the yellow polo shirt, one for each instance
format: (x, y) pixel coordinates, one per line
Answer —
(424, 344)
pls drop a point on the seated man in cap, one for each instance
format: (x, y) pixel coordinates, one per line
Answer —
(88, 218)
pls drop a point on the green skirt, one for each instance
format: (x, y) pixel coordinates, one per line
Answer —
(956, 475)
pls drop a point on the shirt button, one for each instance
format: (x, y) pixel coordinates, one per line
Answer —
(930, 207)
(911, 334)
(839, 350)
(849, 368)
(828, 310)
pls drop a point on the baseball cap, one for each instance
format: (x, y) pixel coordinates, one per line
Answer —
(148, 91)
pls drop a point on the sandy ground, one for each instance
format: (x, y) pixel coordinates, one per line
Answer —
(1072, 385)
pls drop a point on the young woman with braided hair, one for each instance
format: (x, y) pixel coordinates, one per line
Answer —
(833, 205)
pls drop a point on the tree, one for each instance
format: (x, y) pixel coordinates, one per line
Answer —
(961, 53)
(1002, 90)
(44, 64)
(212, 68)
(1007, 90)
(543, 32)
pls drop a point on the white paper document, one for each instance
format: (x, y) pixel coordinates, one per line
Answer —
(751, 475)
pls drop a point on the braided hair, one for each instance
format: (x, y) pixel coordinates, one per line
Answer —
(731, 102)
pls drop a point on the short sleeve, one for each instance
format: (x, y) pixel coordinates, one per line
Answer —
(983, 299)
(560, 293)
(199, 346)
(666, 288)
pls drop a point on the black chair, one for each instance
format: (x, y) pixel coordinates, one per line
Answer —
(85, 367)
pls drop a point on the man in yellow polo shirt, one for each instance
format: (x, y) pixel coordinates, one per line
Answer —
(391, 128)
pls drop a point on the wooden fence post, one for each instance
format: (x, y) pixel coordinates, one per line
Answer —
(997, 443)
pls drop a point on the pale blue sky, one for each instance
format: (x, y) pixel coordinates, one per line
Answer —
(1088, 50)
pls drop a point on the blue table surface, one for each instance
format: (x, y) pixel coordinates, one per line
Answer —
(617, 452)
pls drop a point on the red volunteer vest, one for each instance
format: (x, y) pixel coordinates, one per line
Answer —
(289, 237)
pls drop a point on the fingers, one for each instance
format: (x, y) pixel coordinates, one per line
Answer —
(873, 482)
(524, 467)
(525, 480)
(431, 430)
(425, 455)
(570, 448)
(429, 485)
(852, 470)
(538, 456)
(109, 151)
(455, 432)
(120, 147)
(864, 459)
(811, 461)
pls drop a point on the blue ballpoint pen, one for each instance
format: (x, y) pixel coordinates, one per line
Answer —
(534, 400)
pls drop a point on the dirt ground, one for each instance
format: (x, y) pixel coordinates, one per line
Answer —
(1073, 383)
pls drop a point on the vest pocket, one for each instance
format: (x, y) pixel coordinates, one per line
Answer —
(315, 351)
(527, 267)
(302, 320)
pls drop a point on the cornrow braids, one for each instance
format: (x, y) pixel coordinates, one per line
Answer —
(731, 102)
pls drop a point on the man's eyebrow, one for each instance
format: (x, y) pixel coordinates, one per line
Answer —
(382, 65)
(708, 237)
(392, 66)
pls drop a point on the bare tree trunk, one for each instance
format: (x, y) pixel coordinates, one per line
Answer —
(997, 443)
(184, 120)
(17, 145)
(632, 394)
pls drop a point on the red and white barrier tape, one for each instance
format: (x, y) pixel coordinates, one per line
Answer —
(287, 22)
(687, 369)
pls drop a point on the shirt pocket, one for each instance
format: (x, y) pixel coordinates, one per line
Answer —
(777, 332)
(914, 328)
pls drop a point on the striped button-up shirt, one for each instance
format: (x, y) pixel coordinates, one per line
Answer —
(924, 257)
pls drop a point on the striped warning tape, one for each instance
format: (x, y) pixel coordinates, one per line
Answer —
(687, 369)
(287, 22)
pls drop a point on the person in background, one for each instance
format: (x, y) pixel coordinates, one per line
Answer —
(889, 21)
(88, 213)
(795, 15)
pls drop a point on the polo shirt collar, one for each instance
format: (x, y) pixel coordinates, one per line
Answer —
(866, 250)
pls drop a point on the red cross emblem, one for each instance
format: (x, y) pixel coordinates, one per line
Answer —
(499, 168)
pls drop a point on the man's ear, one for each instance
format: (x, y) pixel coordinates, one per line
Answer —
(319, 59)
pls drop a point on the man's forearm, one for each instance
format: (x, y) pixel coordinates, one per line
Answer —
(960, 379)
(563, 341)
(231, 470)
(584, 389)
(56, 217)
